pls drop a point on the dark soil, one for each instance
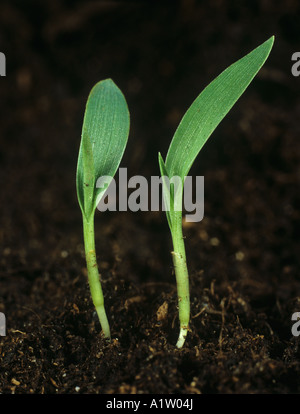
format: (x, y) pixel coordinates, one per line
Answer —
(243, 257)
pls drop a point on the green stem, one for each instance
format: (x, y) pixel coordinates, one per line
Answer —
(93, 274)
(182, 277)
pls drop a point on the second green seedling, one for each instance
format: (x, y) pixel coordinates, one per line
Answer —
(195, 128)
(103, 141)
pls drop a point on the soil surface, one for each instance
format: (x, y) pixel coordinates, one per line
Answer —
(243, 257)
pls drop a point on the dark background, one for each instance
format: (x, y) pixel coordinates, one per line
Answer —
(243, 257)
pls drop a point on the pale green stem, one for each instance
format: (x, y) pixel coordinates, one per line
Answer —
(182, 277)
(93, 274)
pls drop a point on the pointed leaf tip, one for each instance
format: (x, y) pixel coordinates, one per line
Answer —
(210, 107)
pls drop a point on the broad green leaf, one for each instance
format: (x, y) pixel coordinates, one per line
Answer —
(211, 106)
(103, 141)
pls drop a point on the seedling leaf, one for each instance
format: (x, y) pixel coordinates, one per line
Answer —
(103, 141)
(211, 106)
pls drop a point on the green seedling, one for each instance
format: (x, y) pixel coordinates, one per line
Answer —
(103, 141)
(196, 126)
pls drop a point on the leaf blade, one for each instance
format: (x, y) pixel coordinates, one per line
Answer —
(104, 138)
(210, 107)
